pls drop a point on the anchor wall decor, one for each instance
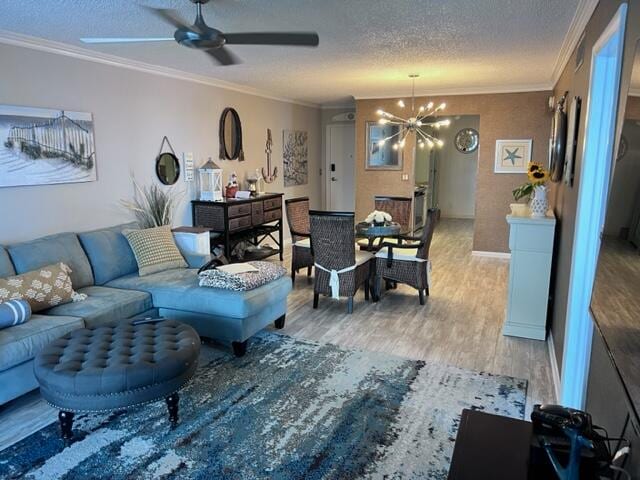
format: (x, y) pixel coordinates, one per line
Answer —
(268, 177)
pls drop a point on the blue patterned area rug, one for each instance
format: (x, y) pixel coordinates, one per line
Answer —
(289, 409)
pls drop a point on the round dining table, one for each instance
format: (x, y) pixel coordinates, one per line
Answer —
(373, 231)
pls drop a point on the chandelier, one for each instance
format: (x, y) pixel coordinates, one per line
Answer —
(415, 123)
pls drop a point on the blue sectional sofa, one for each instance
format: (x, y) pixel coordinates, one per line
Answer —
(105, 269)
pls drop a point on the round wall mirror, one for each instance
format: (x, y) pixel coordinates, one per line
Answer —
(230, 134)
(167, 168)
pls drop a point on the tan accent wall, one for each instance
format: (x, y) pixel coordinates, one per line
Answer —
(502, 116)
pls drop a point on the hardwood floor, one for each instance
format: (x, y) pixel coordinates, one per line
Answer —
(459, 325)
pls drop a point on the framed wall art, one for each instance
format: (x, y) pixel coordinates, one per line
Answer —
(41, 146)
(512, 156)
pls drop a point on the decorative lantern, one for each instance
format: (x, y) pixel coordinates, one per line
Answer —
(210, 176)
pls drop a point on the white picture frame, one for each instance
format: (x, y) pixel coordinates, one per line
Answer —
(512, 156)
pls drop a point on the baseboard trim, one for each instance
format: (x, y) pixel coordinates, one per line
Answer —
(482, 253)
(555, 372)
(457, 217)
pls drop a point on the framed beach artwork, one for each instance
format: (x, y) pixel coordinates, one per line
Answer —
(512, 156)
(382, 157)
(40, 146)
(295, 151)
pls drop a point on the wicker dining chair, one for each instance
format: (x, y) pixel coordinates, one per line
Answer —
(408, 263)
(340, 269)
(298, 217)
(400, 210)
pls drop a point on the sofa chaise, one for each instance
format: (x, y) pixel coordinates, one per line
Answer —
(104, 268)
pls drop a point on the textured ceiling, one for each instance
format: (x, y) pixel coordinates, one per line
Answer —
(367, 47)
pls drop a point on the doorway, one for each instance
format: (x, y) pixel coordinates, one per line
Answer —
(340, 168)
(604, 85)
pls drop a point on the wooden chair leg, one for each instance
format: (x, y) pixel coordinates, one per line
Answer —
(350, 305)
(316, 298)
(421, 295)
(366, 289)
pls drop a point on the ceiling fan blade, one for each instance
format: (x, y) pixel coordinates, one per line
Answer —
(168, 15)
(126, 40)
(302, 39)
(223, 56)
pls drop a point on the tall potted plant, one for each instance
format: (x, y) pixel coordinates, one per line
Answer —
(535, 189)
(152, 205)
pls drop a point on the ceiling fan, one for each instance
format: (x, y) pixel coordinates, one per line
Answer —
(212, 41)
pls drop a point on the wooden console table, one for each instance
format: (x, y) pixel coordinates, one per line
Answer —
(253, 220)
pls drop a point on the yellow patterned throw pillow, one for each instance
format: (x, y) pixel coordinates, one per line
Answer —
(43, 288)
(155, 250)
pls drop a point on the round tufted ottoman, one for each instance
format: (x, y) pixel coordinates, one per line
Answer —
(117, 366)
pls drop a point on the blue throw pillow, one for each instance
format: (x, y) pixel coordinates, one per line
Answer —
(14, 312)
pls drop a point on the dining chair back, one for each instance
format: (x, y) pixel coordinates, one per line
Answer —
(297, 211)
(340, 269)
(398, 207)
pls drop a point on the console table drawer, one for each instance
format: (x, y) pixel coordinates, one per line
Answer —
(271, 215)
(240, 210)
(272, 204)
(239, 223)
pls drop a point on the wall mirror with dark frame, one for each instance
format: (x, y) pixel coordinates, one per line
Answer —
(167, 168)
(615, 301)
(382, 154)
(230, 132)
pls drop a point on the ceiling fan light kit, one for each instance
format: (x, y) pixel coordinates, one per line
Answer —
(414, 123)
(210, 40)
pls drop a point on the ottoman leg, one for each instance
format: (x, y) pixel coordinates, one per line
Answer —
(172, 405)
(66, 425)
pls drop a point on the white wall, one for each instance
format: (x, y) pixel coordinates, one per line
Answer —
(132, 111)
(457, 171)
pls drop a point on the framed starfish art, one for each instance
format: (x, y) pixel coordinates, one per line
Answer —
(512, 156)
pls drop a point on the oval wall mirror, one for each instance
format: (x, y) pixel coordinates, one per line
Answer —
(558, 141)
(167, 168)
(230, 134)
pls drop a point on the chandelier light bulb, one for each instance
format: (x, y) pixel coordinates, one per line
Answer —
(430, 143)
(421, 145)
(442, 106)
(419, 123)
(445, 123)
(383, 121)
(400, 103)
(395, 146)
(421, 109)
(381, 142)
(440, 143)
(402, 143)
(380, 112)
(429, 105)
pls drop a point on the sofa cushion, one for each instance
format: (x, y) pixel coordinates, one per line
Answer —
(109, 252)
(6, 267)
(178, 289)
(63, 247)
(104, 305)
(43, 288)
(21, 343)
(155, 249)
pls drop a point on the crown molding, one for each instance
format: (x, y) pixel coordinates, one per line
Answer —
(584, 11)
(338, 107)
(534, 87)
(59, 48)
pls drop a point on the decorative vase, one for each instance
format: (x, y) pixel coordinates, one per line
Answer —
(539, 203)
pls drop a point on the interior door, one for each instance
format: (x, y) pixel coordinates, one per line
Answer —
(340, 167)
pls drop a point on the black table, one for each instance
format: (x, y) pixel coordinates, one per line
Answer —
(494, 447)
